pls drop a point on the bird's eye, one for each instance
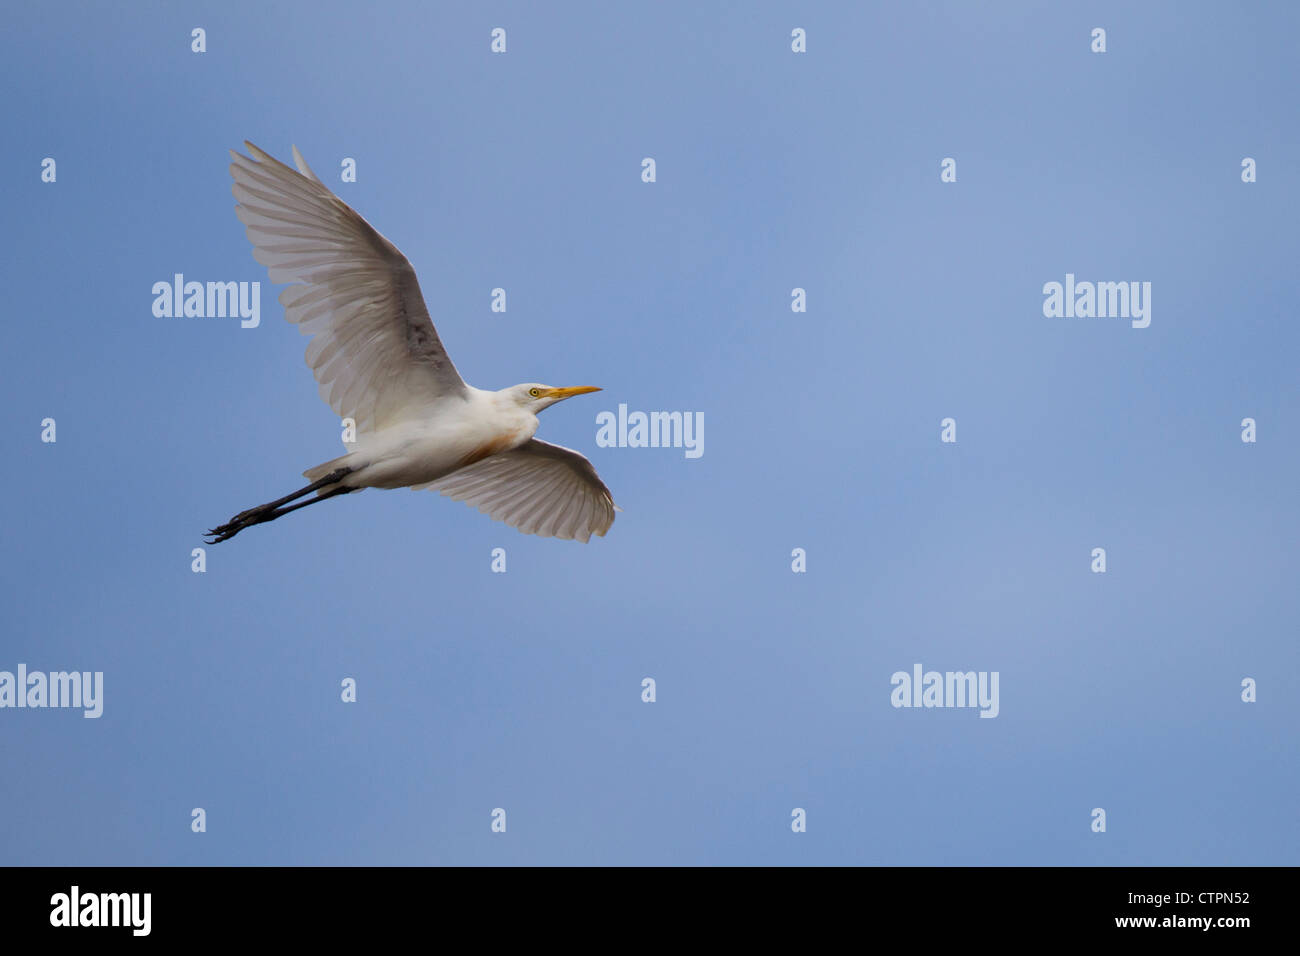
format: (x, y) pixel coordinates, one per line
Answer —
(535, 393)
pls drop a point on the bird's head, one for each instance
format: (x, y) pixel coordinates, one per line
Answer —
(535, 397)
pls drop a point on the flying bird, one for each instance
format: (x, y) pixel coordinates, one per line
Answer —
(378, 360)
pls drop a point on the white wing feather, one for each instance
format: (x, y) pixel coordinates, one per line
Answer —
(539, 488)
(376, 355)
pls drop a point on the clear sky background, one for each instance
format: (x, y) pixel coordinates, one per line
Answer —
(822, 431)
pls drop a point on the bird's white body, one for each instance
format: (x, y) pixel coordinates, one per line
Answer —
(453, 432)
(379, 362)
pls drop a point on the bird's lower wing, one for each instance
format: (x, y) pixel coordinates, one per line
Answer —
(539, 488)
(375, 353)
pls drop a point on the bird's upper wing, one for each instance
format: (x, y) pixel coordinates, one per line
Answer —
(375, 352)
(539, 488)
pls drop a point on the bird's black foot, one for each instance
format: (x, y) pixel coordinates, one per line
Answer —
(224, 532)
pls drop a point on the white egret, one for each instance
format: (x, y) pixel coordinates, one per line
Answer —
(378, 360)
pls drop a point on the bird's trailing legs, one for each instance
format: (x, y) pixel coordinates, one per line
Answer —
(275, 509)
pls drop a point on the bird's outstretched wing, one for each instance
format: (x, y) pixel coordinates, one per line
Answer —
(376, 353)
(539, 488)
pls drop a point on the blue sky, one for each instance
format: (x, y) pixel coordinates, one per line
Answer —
(775, 170)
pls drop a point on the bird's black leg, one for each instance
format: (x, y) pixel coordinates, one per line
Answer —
(273, 509)
(303, 504)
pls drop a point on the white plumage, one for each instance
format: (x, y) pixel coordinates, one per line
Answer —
(539, 488)
(378, 360)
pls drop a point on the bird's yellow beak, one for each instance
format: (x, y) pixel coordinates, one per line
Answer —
(561, 393)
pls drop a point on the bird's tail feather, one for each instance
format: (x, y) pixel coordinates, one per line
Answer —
(320, 471)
